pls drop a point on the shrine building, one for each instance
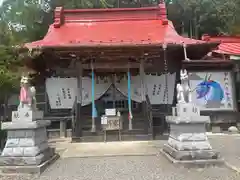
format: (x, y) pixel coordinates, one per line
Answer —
(124, 63)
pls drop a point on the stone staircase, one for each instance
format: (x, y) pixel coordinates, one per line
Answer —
(138, 132)
(160, 127)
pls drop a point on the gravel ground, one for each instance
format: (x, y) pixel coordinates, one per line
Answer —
(127, 168)
(141, 167)
(229, 147)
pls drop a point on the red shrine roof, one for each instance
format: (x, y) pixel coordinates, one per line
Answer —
(111, 27)
(229, 44)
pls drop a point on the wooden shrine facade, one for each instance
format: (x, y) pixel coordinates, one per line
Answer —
(113, 41)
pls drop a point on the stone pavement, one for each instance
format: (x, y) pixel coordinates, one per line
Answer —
(126, 148)
(100, 161)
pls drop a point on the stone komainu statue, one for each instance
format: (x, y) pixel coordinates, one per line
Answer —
(183, 89)
(27, 95)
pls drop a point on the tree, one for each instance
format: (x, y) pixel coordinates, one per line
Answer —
(24, 19)
(204, 16)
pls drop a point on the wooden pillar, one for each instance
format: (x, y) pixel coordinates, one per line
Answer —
(77, 122)
(114, 90)
(164, 47)
(143, 93)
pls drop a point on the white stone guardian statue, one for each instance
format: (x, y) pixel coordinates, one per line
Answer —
(184, 94)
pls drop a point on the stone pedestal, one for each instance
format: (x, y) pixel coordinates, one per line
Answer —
(188, 142)
(25, 114)
(26, 149)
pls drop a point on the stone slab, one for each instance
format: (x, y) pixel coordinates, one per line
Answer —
(188, 119)
(187, 109)
(190, 155)
(25, 160)
(25, 125)
(27, 133)
(187, 128)
(25, 142)
(189, 145)
(26, 115)
(189, 137)
(188, 132)
(35, 169)
(31, 151)
(193, 163)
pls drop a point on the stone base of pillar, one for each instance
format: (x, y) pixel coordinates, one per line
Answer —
(188, 142)
(26, 147)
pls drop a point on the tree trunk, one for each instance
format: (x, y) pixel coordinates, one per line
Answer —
(195, 28)
(190, 29)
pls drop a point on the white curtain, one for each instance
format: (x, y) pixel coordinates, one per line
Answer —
(156, 88)
(136, 93)
(62, 91)
(101, 86)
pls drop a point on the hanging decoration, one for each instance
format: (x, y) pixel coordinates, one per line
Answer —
(129, 101)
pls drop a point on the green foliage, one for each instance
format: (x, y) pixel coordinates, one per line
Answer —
(18, 24)
(73, 4)
(23, 19)
(9, 75)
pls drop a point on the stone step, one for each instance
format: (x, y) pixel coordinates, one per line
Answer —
(132, 132)
(137, 134)
(87, 119)
(137, 125)
(124, 127)
(124, 137)
(137, 116)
